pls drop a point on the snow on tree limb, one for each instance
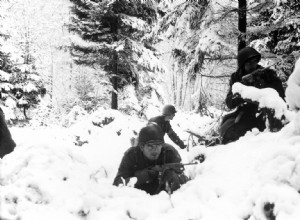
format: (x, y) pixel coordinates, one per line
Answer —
(4, 76)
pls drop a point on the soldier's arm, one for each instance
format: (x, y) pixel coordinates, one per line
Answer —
(173, 160)
(272, 81)
(125, 171)
(174, 137)
(172, 155)
(232, 101)
(277, 85)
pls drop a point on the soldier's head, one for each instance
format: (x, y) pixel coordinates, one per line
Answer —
(248, 59)
(151, 141)
(169, 112)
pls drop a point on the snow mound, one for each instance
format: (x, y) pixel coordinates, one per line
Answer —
(293, 88)
(266, 97)
(54, 178)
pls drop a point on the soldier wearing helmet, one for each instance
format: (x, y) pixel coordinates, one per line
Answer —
(247, 115)
(150, 151)
(163, 121)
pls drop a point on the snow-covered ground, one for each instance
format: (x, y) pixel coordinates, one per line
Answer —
(49, 177)
(67, 173)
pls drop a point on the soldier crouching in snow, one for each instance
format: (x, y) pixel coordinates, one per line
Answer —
(247, 115)
(168, 113)
(7, 144)
(145, 162)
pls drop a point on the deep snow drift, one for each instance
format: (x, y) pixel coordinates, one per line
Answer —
(49, 177)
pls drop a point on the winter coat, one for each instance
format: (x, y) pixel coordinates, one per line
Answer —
(236, 124)
(7, 144)
(134, 160)
(167, 129)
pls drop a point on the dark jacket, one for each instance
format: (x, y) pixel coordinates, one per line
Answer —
(167, 129)
(268, 76)
(134, 160)
(7, 144)
(245, 117)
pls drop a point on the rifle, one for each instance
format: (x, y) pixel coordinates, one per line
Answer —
(177, 167)
(204, 140)
(254, 78)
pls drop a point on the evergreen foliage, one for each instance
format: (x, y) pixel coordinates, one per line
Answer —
(275, 29)
(112, 34)
(20, 84)
(186, 35)
(20, 81)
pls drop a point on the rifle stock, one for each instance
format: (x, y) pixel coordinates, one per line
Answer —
(177, 167)
(255, 74)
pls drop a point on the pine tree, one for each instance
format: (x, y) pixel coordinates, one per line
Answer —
(20, 83)
(242, 24)
(112, 34)
(274, 29)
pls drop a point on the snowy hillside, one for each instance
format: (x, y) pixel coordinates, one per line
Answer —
(66, 173)
(49, 177)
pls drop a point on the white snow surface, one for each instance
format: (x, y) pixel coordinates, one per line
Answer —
(266, 97)
(293, 88)
(4, 76)
(49, 177)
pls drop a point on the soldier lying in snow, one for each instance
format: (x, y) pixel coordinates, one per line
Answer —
(145, 162)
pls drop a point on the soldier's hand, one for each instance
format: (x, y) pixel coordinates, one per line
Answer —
(157, 168)
(179, 168)
(248, 80)
(183, 146)
(145, 175)
(237, 99)
(236, 96)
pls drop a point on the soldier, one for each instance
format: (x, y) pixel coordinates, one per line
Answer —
(7, 144)
(247, 116)
(168, 113)
(145, 160)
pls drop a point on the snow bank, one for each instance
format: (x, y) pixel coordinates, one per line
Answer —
(48, 177)
(266, 97)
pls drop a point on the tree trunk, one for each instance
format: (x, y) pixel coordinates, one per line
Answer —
(114, 95)
(51, 78)
(242, 23)
(174, 86)
(114, 26)
(24, 112)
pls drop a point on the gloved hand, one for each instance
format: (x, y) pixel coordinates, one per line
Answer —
(237, 99)
(146, 175)
(157, 169)
(254, 79)
(248, 80)
(183, 146)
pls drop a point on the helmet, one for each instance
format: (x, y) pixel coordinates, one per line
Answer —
(169, 110)
(245, 54)
(151, 134)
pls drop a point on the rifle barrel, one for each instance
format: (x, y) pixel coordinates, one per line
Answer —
(184, 164)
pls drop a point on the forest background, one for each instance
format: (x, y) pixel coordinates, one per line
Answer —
(132, 55)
